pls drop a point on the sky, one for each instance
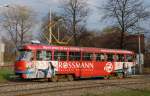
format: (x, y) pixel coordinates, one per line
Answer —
(41, 7)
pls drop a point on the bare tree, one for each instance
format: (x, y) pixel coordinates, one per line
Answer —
(9, 55)
(87, 38)
(75, 13)
(18, 22)
(127, 13)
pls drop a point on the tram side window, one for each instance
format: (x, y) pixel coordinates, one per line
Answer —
(129, 58)
(39, 55)
(100, 57)
(87, 56)
(120, 58)
(43, 55)
(60, 55)
(110, 57)
(74, 56)
(48, 55)
(27, 55)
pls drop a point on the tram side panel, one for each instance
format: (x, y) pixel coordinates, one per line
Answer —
(86, 69)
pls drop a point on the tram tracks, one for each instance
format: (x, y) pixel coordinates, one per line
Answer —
(21, 83)
(9, 84)
(66, 88)
(75, 85)
(29, 92)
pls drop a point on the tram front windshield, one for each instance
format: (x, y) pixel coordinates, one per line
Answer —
(25, 55)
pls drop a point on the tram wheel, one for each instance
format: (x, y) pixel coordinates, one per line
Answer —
(70, 77)
(54, 78)
(106, 77)
(120, 75)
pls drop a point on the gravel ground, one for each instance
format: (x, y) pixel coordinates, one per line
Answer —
(38, 87)
(97, 91)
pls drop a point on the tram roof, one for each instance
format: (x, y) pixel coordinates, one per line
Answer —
(65, 48)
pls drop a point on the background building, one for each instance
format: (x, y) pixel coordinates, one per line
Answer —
(2, 50)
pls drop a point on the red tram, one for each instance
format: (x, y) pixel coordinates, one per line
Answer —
(54, 62)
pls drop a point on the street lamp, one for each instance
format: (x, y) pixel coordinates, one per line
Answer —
(140, 54)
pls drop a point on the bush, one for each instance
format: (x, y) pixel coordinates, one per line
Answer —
(5, 74)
